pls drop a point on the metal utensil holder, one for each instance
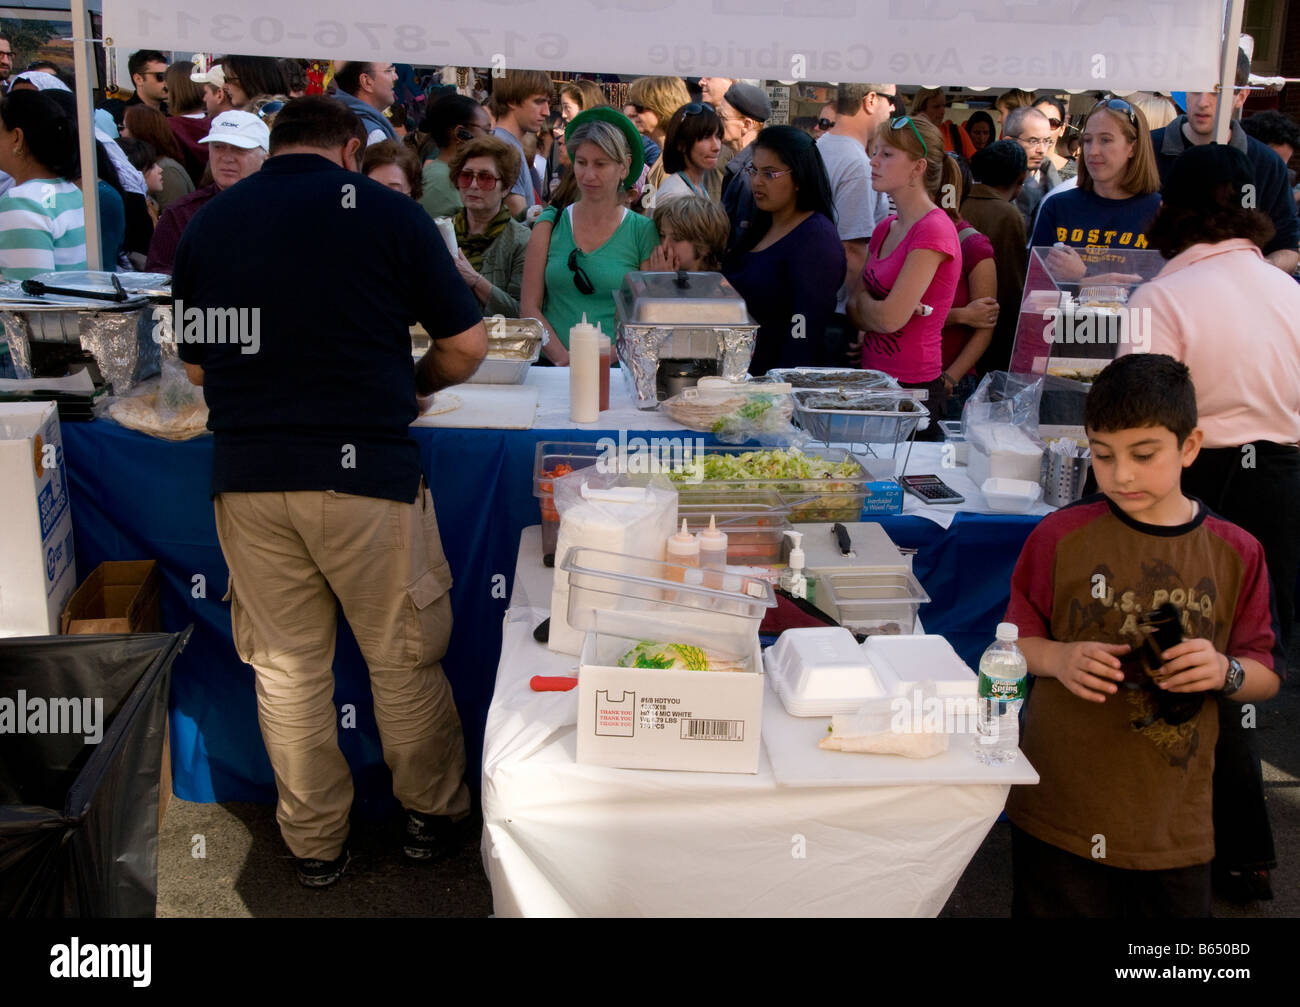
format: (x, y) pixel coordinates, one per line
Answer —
(1063, 478)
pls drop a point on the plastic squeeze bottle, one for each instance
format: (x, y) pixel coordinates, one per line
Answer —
(713, 547)
(606, 361)
(683, 551)
(793, 580)
(584, 382)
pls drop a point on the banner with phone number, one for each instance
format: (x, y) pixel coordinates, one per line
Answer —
(1085, 45)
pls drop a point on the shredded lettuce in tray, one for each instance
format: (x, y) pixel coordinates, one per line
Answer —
(777, 463)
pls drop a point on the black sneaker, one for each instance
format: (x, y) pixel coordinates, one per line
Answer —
(429, 837)
(1243, 886)
(322, 873)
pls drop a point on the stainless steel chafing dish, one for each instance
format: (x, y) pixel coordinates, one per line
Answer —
(676, 319)
(105, 318)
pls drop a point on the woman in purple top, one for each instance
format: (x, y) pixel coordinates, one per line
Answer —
(913, 260)
(790, 264)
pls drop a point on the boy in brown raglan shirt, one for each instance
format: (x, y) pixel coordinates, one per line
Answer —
(1120, 823)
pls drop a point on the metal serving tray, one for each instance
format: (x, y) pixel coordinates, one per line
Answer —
(850, 426)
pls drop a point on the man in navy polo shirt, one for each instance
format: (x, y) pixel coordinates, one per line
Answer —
(305, 362)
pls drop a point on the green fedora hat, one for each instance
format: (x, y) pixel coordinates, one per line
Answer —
(614, 117)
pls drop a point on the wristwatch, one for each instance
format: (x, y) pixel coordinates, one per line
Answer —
(1235, 678)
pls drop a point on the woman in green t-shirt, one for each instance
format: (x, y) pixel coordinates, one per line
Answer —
(578, 256)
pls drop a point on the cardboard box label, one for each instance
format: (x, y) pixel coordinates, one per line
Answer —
(39, 570)
(615, 719)
(52, 501)
(713, 730)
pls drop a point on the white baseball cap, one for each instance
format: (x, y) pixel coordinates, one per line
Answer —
(239, 129)
(214, 75)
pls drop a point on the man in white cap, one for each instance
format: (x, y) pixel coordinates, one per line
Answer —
(237, 143)
(216, 99)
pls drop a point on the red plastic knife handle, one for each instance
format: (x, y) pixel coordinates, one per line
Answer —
(553, 683)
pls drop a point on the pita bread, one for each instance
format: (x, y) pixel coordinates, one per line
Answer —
(140, 412)
(444, 402)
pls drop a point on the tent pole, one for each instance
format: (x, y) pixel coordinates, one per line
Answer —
(1228, 70)
(83, 61)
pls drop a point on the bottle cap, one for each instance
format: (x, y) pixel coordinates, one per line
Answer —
(683, 543)
(796, 550)
(711, 538)
(731, 582)
(1008, 632)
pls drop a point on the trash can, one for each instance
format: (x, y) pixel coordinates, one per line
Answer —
(82, 722)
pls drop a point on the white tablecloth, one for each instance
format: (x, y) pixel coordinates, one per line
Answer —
(562, 839)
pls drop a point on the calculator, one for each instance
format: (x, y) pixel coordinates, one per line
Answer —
(931, 489)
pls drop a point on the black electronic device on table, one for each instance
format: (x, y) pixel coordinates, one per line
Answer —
(931, 489)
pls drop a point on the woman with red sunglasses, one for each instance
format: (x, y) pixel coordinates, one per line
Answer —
(490, 244)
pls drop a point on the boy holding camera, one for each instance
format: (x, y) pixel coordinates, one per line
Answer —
(1120, 824)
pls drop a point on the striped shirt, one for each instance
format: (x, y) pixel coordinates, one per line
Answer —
(42, 229)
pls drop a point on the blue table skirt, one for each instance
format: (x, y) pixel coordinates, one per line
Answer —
(134, 497)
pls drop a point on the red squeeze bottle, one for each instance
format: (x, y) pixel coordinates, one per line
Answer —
(606, 362)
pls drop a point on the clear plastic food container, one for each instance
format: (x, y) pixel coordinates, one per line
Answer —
(872, 602)
(641, 599)
(755, 522)
(824, 497)
(549, 463)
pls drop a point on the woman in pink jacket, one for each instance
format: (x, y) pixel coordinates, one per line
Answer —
(1234, 318)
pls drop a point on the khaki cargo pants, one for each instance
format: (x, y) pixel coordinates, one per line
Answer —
(291, 555)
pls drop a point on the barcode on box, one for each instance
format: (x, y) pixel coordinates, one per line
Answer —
(713, 730)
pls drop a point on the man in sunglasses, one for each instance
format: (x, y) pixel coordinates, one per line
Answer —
(1272, 189)
(367, 89)
(859, 110)
(148, 70)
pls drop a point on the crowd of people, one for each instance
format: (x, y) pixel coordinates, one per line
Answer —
(882, 235)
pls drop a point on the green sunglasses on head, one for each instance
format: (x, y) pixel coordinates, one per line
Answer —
(906, 120)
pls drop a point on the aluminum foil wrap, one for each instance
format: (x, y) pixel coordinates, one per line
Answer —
(641, 347)
(20, 348)
(121, 342)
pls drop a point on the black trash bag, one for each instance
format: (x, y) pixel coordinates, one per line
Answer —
(79, 782)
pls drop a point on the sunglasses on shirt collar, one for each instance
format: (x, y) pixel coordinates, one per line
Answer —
(580, 278)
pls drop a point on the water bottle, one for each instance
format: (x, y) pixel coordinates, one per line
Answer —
(1001, 693)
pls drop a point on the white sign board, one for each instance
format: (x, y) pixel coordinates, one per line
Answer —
(1118, 45)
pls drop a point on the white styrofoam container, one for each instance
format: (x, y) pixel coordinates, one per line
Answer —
(1011, 496)
(1004, 464)
(822, 672)
(909, 660)
(644, 718)
(37, 568)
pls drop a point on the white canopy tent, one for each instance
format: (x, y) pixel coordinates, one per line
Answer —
(1080, 45)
